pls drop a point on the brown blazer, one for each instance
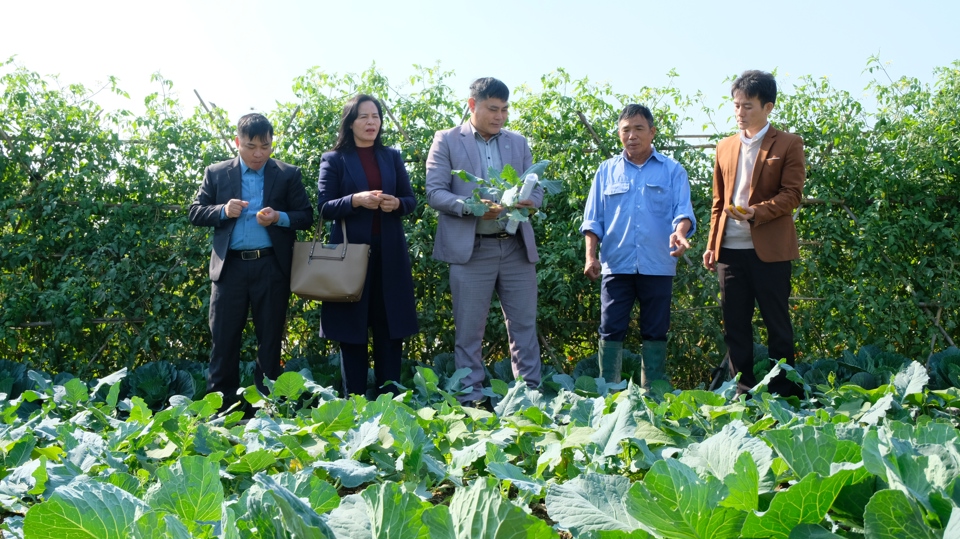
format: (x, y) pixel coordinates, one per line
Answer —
(775, 192)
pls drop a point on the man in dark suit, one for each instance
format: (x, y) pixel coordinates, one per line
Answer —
(757, 185)
(255, 205)
(483, 257)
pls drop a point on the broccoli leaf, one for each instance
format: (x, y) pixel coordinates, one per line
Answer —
(591, 502)
(537, 168)
(674, 502)
(84, 509)
(190, 488)
(806, 502)
(892, 514)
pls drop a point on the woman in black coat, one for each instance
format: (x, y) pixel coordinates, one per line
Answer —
(366, 185)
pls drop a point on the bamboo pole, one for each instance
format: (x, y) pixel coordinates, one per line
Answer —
(283, 131)
(226, 140)
(596, 138)
(397, 123)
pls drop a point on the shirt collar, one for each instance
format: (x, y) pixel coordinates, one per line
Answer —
(244, 168)
(654, 154)
(756, 138)
(478, 136)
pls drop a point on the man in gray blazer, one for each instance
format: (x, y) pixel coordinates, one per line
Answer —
(483, 257)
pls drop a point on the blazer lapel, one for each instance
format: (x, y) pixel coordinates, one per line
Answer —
(471, 151)
(235, 182)
(351, 163)
(388, 177)
(506, 152)
(270, 170)
(765, 145)
(730, 168)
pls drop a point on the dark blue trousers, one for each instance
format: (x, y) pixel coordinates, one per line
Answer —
(618, 293)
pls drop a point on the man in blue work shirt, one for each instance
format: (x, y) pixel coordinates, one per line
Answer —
(640, 214)
(255, 205)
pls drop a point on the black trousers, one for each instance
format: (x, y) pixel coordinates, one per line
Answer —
(354, 357)
(244, 286)
(745, 281)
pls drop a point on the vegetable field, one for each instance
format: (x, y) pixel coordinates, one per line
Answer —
(106, 431)
(579, 459)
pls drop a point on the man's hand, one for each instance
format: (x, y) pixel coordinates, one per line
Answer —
(234, 207)
(710, 260)
(267, 216)
(366, 199)
(493, 210)
(735, 212)
(678, 244)
(525, 203)
(388, 203)
(592, 269)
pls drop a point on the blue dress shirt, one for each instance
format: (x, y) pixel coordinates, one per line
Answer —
(248, 234)
(633, 209)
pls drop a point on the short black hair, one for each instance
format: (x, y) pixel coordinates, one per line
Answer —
(755, 83)
(254, 126)
(488, 87)
(351, 110)
(632, 110)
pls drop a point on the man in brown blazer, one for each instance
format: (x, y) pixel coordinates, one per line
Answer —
(757, 185)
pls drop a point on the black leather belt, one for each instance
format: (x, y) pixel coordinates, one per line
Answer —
(497, 236)
(251, 255)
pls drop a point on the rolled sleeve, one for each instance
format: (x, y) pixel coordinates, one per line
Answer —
(593, 209)
(683, 206)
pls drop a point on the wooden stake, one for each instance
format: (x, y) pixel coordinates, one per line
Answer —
(283, 132)
(399, 127)
(226, 140)
(596, 138)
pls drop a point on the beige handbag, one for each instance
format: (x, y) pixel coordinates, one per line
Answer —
(329, 272)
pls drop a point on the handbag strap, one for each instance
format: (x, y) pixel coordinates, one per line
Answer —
(318, 236)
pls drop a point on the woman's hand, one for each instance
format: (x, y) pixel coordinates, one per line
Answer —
(367, 199)
(388, 203)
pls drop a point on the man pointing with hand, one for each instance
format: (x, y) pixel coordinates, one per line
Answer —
(639, 213)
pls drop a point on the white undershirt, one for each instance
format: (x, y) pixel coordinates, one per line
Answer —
(736, 234)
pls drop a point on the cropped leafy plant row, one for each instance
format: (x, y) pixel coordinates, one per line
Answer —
(99, 268)
(579, 459)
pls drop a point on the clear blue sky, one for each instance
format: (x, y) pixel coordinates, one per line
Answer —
(244, 55)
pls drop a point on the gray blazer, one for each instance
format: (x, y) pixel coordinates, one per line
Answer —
(456, 149)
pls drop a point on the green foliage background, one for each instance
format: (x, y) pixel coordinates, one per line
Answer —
(100, 269)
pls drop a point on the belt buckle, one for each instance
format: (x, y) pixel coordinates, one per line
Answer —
(502, 235)
(250, 255)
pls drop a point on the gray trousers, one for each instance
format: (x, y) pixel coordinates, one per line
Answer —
(500, 265)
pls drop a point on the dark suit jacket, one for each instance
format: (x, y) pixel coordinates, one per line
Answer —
(282, 190)
(775, 192)
(341, 175)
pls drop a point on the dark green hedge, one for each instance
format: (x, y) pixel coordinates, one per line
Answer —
(100, 269)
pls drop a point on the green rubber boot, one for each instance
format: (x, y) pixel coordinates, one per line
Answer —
(610, 358)
(654, 354)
